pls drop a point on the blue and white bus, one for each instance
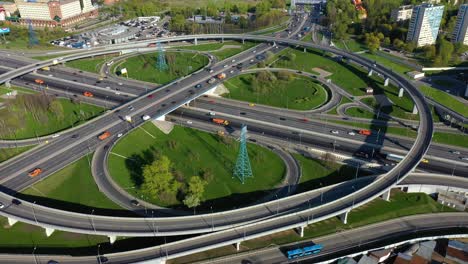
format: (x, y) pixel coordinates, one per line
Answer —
(305, 251)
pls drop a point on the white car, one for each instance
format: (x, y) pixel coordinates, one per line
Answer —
(233, 60)
(225, 66)
(117, 93)
(335, 132)
(56, 136)
(232, 71)
(212, 113)
(456, 152)
(189, 122)
(464, 158)
(119, 135)
(2, 206)
(254, 51)
(120, 83)
(351, 133)
(146, 117)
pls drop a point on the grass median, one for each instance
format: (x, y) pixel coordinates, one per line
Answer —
(445, 99)
(8, 153)
(194, 152)
(299, 92)
(90, 64)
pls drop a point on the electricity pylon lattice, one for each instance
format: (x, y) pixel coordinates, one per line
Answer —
(32, 35)
(242, 170)
(161, 61)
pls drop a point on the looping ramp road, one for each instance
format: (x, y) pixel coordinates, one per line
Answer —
(286, 212)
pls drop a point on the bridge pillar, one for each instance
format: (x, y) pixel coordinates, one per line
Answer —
(386, 196)
(188, 103)
(222, 40)
(238, 246)
(401, 92)
(274, 44)
(300, 231)
(161, 118)
(195, 41)
(49, 231)
(387, 80)
(11, 221)
(415, 110)
(344, 217)
(305, 50)
(112, 239)
(8, 84)
(370, 73)
(243, 41)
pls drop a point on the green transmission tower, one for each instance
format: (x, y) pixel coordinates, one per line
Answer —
(243, 169)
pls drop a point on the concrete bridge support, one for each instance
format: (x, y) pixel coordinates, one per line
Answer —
(387, 80)
(415, 110)
(188, 103)
(370, 73)
(112, 239)
(7, 84)
(161, 118)
(49, 231)
(344, 217)
(243, 41)
(305, 50)
(386, 196)
(11, 221)
(300, 231)
(222, 40)
(401, 92)
(195, 41)
(238, 246)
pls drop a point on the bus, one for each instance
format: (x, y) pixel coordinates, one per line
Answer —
(398, 158)
(304, 251)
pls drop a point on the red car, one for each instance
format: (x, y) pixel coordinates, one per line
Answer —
(150, 96)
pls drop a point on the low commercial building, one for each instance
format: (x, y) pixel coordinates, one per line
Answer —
(117, 34)
(402, 13)
(415, 74)
(53, 13)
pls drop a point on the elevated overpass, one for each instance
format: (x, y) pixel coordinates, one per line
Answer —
(291, 214)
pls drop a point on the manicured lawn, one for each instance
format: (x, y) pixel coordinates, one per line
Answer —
(143, 67)
(7, 153)
(316, 173)
(228, 52)
(401, 204)
(359, 112)
(300, 93)
(90, 64)
(191, 152)
(400, 68)
(450, 139)
(352, 44)
(71, 188)
(445, 99)
(74, 114)
(346, 76)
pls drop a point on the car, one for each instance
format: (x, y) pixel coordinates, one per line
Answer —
(464, 158)
(304, 120)
(225, 66)
(231, 71)
(130, 107)
(119, 135)
(15, 201)
(35, 172)
(150, 96)
(254, 51)
(2, 206)
(198, 86)
(108, 88)
(189, 122)
(251, 60)
(335, 132)
(251, 104)
(282, 118)
(351, 133)
(146, 117)
(120, 83)
(117, 93)
(456, 152)
(75, 136)
(135, 202)
(210, 70)
(88, 94)
(233, 60)
(56, 136)
(212, 113)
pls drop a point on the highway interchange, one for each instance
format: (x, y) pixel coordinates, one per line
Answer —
(168, 98)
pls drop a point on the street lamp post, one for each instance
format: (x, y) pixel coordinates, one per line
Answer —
(34, 213)
(34, 255)
(277, 204)
(212, 223)
(98, 256)
(92, 221)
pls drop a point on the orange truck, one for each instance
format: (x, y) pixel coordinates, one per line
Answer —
(39, 81)
(221, 76)
(88, 94)
(365, 132)
(104, 135)
(35, 172)
(220, 121)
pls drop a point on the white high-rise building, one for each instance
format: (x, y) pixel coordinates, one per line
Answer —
(460, 33)
(402, 13)
(424, 24)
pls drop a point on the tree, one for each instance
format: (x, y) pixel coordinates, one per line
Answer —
(445, 51)
(429, 52)
(158, 179)
(285, 75)
(56, 108)
(372, 42)
(195, 192)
